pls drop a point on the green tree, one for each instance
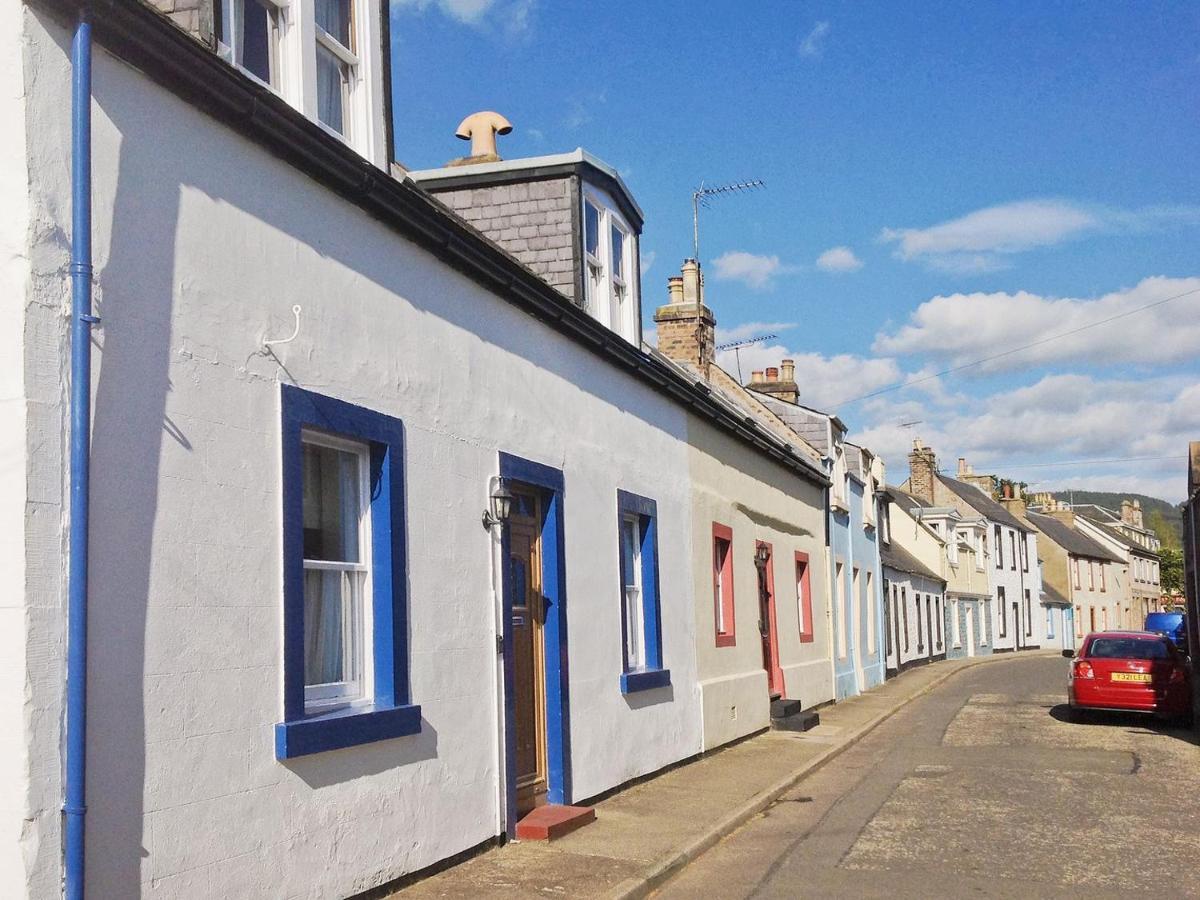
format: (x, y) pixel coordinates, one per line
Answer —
(1170, 570)
(1167, 533)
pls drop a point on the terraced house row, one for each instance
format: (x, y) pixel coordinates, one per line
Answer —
(375, 525)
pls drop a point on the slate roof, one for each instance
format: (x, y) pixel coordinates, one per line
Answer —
(1050, 594)
(896, 557)
(982, 503)
(905, 500)
(1071, 539)
(1120, 537)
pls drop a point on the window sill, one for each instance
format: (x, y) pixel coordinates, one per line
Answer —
(344, 728)
(644, 680)
(726, 640)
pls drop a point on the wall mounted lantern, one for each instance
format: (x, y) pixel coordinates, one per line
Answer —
(499, 504)
(762, 554)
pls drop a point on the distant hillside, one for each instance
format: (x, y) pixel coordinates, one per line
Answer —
(1161, 516)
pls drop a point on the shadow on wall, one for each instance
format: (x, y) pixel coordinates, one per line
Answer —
(339, 766)
(127, 437)
(653, 697)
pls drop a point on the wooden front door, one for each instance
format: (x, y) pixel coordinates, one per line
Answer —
(529, 670)
(766, 628)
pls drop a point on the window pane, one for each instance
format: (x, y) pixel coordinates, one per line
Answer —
(618, 252)
(331, 90)
(720, 555)
(632, 562)
(591, 229)
(255, 40)
(332, 601)
(332, 504)
(334, 17)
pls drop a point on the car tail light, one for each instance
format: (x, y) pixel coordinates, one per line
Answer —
(1083, 669)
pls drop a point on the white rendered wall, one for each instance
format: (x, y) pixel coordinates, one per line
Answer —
(14, 284)
(203, 244)
(760, 501)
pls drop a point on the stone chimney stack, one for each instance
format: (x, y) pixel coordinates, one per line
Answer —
(1014, 501)
(1131, 513)
(922, 471)
(778, 382)
(686, 327)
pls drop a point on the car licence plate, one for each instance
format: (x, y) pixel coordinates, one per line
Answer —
(1142, 677)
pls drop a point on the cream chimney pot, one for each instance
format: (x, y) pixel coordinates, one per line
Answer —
(756, 377)
(691, 281)
(675, 289)
(481, 129)
(788, 369)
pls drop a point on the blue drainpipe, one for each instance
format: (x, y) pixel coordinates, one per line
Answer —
(82, 320)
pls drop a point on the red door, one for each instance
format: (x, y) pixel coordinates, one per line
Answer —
(766, 618)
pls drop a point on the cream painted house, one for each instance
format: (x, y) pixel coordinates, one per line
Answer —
(764, 635)
(1091, 577)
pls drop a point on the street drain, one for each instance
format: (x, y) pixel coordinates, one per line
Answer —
(795, 799)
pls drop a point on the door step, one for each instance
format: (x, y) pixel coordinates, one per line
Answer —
(546, 823)
(787, 715)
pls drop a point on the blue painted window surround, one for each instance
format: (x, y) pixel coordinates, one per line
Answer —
(646, 672)
(389, 712)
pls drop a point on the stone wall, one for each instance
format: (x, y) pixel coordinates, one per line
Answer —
(193, 16)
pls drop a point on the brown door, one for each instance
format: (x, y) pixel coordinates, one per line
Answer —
(528, 619)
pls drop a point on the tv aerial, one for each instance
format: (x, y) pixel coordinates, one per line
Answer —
(702, 197)
(736, 347)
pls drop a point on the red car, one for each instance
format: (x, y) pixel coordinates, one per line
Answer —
(1130, 671)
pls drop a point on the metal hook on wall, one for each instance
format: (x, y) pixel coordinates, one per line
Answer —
(267, 345)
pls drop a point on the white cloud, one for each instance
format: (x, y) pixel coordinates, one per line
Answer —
(648, 259)
(751, 269)
(964, 327)
(1059, 418)
(823, 380)
(514, 16)
(813, 44)
(979, 240)
(839, 259)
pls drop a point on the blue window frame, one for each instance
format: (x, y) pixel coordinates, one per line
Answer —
(641, 619)
(385, 710)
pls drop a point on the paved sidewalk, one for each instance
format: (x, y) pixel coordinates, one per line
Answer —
(644, 834)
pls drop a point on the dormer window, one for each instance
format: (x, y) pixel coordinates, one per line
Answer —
(337, 64)
(249, 36)
(323, 57)
(610, 283)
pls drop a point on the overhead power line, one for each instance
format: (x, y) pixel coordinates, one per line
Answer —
(1078, 462)
(1011, 351)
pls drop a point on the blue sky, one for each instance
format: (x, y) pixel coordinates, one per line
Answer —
(943, 182)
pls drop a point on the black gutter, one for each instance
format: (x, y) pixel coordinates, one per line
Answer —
(148, 41)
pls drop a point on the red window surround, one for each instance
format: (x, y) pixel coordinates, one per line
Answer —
(804, 600)
(723, 585)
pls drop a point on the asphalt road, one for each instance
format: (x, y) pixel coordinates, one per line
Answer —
(980, 788)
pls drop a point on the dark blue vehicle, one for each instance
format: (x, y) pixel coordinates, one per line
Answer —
(1169, 624)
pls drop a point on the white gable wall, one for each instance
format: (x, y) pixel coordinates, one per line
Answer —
(203, 244)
